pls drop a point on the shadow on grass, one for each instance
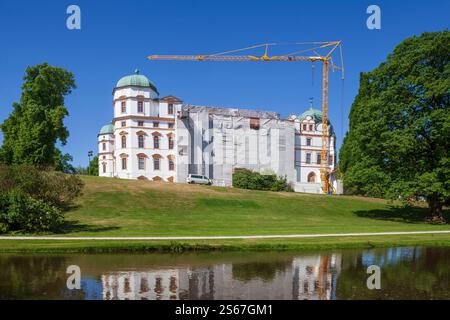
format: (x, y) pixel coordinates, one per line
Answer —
(76, 226)
(399, 214)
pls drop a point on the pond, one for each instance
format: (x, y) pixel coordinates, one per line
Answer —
(406, 273)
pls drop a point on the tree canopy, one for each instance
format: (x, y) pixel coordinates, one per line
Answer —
(93, 167)
(398, 144)
(36, 124)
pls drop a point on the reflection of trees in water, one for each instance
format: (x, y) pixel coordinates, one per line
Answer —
(265, 271)
(413, 274)
(35, 277)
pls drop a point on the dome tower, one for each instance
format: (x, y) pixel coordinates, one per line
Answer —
(106, 151)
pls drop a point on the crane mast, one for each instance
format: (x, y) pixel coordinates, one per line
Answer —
(324, 162)
(327, 62)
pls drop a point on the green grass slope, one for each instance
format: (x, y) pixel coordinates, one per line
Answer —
(112, 207)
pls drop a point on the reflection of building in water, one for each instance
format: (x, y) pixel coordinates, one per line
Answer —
(310, 277)
(315, 277)
(152, 285)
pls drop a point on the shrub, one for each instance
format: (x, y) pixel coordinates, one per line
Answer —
(33, 200)
(3, 228)
(20, 212)
(54, 188)
(247, 179)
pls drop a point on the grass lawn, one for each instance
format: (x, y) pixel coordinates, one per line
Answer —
(112, 207)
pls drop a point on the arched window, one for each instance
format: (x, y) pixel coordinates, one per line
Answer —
(312, 177)
(104, 167)
(156, 164)
(141, 163)
(156, 142)
(170, 142)
(124, 163)
(141, 141)
(124, 141)
(171, 165)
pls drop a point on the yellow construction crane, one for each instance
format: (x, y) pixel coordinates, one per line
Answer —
(314, 48)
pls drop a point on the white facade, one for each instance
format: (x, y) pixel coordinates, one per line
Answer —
(165, 140)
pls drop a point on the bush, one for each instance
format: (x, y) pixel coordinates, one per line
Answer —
(247, 179)
(20, 212)
(33, 200)
(54, 188)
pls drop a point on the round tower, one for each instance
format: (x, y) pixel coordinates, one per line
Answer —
(106, 151)
(144, 130)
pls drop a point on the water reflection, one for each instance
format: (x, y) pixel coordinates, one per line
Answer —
(407, 273)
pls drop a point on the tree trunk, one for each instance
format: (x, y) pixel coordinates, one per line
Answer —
(435, 207)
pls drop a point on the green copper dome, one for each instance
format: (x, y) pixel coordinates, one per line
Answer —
(108, 129)
(137, 80)
(313, 113)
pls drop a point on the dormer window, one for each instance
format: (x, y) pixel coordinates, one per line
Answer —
(170, 108)
(305, 127)
(311, 127)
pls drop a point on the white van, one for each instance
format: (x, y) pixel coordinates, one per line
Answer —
(198, 179)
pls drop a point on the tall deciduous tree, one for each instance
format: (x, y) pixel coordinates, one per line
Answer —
(37, 122)
(398, 144)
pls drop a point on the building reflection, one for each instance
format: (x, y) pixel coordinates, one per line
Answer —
(308, 277)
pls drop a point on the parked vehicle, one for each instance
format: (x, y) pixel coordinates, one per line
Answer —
(198, 179)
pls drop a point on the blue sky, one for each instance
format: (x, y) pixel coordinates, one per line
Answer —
(117, 36)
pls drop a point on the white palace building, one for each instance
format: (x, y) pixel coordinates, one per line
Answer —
(163, 139)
